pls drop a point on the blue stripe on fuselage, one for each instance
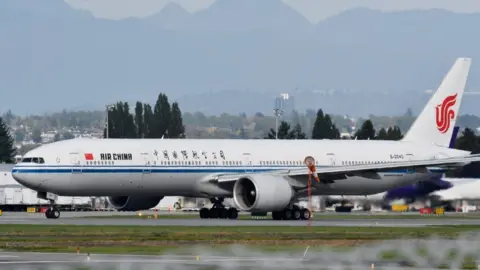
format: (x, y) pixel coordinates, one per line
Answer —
(169, 169)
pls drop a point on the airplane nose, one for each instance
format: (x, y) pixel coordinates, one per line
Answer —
(449, 184)
(445, 184)
(23, 178)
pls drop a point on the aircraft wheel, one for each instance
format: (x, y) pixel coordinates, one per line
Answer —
(55, 213)
(214, 213)
(232, 213)
(48, 214)
(287, 214)
(204, 213)
(52, 213)
(277, 215)
(296, 214)
(222, 213)
(306, 214)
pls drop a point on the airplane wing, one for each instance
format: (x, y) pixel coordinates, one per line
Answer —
(330, 172)
(414, 164)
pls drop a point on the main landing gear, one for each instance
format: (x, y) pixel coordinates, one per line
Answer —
(218, 211)
(293, 212)
(52, 211)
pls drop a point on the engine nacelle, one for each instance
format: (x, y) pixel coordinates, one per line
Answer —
(128, 203)
(262, 193)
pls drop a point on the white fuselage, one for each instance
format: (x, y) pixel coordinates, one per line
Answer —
(463, 189)
(127, 167)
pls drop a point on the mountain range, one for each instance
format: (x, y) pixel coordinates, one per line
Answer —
(235, 56)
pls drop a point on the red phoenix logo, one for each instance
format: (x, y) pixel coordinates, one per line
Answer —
(444, 113)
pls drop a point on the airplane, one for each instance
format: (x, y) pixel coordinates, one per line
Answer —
(463, 189)
(409, 193)
(260, 175)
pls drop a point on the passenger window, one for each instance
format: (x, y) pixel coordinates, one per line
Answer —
(41, 161)
(27, 160)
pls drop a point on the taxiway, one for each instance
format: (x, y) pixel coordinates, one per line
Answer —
(74, 218)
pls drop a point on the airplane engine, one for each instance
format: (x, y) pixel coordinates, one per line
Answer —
(262, 193)
(127, 203)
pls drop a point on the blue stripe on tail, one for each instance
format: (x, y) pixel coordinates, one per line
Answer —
(454, 137)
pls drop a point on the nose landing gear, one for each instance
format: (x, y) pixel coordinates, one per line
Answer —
(52, 212)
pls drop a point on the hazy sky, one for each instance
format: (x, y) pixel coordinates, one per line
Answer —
(313, 10)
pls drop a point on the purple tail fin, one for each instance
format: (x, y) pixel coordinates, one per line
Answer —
(454, 136)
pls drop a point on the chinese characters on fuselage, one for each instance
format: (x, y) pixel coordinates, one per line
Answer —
(185, 155)
(115, 156)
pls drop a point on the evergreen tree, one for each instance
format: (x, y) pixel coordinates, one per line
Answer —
(36, 135)
(139, 120)
(147, 121)
(162, 117)
(297, 133)
(394, 133)
(7, 148)
(56, 138)
(323, 128)
(67, 135)
(382, 134)
(176, 128)
(283, 131)
(468, 142)
(120, 122)
(366, 131)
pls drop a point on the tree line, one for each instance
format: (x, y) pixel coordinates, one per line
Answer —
(324, 128)
(164, 120)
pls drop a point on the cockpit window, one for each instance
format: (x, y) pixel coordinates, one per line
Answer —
(38, 160)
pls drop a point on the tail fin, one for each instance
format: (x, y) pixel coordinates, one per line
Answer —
(454, 137)
(434, 125)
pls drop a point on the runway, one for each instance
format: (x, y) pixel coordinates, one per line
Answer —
(74, 218)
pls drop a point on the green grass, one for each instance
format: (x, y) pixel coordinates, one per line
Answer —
(148, 239)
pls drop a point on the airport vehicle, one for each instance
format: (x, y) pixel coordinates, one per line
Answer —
(260, 175)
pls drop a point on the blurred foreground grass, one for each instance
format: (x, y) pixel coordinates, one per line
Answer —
(158, 239)
(180, 240)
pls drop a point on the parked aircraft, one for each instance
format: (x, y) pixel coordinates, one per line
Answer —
(410, 193)
(260, 175)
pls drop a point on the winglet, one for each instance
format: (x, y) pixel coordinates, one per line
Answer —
(434, 125)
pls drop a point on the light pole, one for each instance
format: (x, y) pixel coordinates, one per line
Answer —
(277, 112)
(107, 109)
